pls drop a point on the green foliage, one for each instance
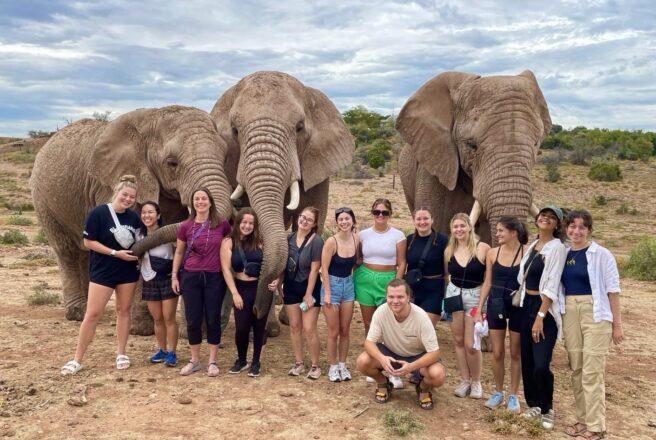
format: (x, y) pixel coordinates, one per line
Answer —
(642, 260)
(605, 171)
(39, 133)
(17, 206)
(600, 200)
(553, 173)
(626, 209)
(41, 297)
(508, 423)
(376, 154)
(40, 238)
(102, 116)
(19, 157)
(13, 237)
(401, 423)
(19, 220)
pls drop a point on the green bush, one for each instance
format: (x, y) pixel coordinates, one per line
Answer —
(553, 174)
(19, 220)
(13, 237)
(41, 297)
(626, 209)
(18, 206)
(600, 200)
(40, 238)
(642, 261)
(401, 423)
(605, 171)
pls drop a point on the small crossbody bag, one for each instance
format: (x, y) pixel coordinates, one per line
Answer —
(414, 277)
(122, 235)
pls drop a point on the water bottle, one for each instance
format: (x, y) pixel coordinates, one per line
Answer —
(304, 307)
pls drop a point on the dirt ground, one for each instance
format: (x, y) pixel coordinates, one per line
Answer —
(146, 400)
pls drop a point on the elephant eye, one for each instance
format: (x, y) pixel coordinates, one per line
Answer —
(172, 162)
(300, 126)
(235, 132)
(471, 144)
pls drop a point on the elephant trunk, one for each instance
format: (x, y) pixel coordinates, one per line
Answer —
(165, 234)
(267, 173)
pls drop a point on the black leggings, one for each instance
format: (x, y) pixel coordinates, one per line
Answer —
(245, 319)
(203, 294)
(536, 357)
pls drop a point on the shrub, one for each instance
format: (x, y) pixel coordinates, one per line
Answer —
(13, 237)
(600, 200)
(19, 220)
(605, 171)
(553, 174)
(401, 422)
(18, 206)
(19, 157)
(40, 238)
(642, 261)
(41, 297)
(626, 209)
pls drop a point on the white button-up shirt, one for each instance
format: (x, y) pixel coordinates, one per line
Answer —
(604, 279)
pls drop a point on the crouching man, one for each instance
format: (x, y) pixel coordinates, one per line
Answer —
(402, 341)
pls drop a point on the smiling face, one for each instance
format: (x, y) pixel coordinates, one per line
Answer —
(306, 221)
(246, 225)
(398, 299)
(578, 232)
(344, 222)
(423, 221)
(505, 235)
(381, 214)
(125, 198)
(546, 222)
(201, 202)
(149, 215)
(460, 229)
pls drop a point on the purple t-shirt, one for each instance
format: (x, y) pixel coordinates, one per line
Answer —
(204, 254)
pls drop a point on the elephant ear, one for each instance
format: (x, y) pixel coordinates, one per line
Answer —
(220, 115)
(540, 102)
(121, 149)
(330, 147)
(425, 122)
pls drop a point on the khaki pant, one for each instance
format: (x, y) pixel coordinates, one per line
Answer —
(587, 344)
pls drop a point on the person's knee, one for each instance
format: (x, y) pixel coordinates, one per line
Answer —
(310, 331)
(93, 315)
(516, 355)
(363, 362)
(332, 333)
(470, 349)
(344, 332)
(459, 340)
(295, 327)
(498, 353)
(436, 375)
(123, 310)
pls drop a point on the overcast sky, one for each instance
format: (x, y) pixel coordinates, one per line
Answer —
(595, 60)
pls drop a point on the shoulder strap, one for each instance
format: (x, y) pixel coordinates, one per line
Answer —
(298, 254)
(113, 214)
(498, 250)
(242, 255)
(427, 247)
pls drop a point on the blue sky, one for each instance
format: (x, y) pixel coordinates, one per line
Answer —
(595, 60)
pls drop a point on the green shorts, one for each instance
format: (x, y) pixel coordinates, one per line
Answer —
(370, 286)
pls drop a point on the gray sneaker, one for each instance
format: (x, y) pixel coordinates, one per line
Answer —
(462, 389)
(548, 420)
(314, 373)
(344, 373)
(476, 391)
(533, 412)
(297, 369)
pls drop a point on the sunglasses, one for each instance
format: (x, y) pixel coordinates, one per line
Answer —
(378, 213)
(339, 211)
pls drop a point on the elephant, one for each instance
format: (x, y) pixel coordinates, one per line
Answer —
(470, 145)
(281, 135)
(171, 150)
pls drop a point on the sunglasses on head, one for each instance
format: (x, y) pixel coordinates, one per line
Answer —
(378, 213)
(342, 210)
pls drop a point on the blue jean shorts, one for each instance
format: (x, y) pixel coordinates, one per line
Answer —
(341, 290)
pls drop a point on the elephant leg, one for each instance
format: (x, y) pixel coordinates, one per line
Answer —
(317, 196)
(142, 322)
(74, 269)
(442, 203)
(282, 316)
(407, 166)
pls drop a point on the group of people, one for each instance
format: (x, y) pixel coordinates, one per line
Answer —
(538, 292)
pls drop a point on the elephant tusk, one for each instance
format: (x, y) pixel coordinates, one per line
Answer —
(533, 211)
(237, 193)
(294, 196)
(475, 212)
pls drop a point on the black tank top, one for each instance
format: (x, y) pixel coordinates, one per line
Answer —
(504, 278)
(469, 276)
(534, 270)
(434, 261)
(251, 257)
(341, 267)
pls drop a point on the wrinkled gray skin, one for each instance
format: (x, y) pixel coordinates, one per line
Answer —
(279, 131)
(472, 138)
(171, 151)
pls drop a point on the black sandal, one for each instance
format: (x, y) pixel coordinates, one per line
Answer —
(425, 402)
(383, 391)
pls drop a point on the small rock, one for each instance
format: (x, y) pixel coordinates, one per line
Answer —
(132, 385)
(4, 414)
(133, 380)
(95, 416)
(21, 324)
(285, 393)
(31, 391)
(77, 401)
(316, 436)
(119, 379)
(73, 423)
(465, 427)
(151, 379)
(651, 423)
(184, 400)
(96, 384)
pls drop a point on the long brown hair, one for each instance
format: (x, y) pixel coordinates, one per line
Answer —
(250, 242)
(453, 241)
(315, 213)
(213, 216)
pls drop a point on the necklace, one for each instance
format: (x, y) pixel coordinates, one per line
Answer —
(194, 234)
(571, 261)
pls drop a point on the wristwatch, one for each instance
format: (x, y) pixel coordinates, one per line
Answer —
(541, 314)
(113, 253)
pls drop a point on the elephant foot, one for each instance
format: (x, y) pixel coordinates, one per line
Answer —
(282, 317)
(486, 344)
(76, 313)
(273, 329)
(141, 328)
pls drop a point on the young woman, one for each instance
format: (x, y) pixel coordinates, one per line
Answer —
(383, 250)
(202, 285)
(337, 292)
(162, 301)
(590, 303)
(539, 278)
(429, 291)
(109, 232)
(465, 257)
(501, 270)
(301, 289)
(241, 253)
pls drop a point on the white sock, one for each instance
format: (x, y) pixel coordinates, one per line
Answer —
(342, 365)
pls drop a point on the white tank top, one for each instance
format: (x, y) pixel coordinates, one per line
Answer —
(380, 247)
(162, 251)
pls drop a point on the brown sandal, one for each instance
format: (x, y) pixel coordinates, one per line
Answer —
(383, 392)
(425, 402)
(589, 435)
(576, 429)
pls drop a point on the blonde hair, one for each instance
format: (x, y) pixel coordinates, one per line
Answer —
(128, 181)
(453, 241)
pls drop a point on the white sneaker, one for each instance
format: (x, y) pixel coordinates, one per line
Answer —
(344, 373)
(370, 379)
(396, 382)
(533, 412)
(462, 389)
(476, 391)
(333, 374)
(548, 420)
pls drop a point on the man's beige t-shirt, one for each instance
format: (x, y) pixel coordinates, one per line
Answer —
(413, 336)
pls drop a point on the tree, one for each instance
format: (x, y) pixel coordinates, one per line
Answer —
(102, 116)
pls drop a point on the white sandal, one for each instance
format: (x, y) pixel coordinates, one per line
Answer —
(122, 362)
(71, 367)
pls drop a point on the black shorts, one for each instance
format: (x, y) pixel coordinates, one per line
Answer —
(512, 319)
(157, 289)
(429, 295)
(112, 282)
(294, 291)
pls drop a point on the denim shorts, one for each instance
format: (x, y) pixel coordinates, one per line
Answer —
(341, 290)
